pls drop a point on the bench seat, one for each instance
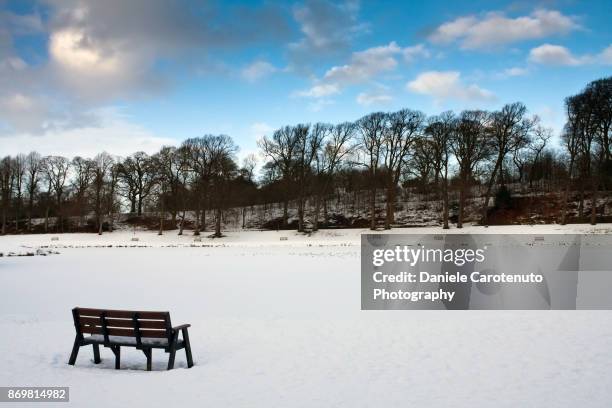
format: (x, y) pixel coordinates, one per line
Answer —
(131, 341)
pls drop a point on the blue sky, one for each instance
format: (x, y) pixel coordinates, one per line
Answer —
(78, 77)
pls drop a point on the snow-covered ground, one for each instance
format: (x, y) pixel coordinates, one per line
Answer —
(278, 323)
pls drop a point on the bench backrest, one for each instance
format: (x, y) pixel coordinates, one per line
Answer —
(128, 323)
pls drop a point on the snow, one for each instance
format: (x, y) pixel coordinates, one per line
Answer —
(278, 323)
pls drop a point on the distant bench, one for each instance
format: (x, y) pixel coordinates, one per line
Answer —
(142, 330)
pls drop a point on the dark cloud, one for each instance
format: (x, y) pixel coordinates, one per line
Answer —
(101, 51)
(328, 29)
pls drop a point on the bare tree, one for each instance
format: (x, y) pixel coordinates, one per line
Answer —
(422, 162)
(308, 143)
(537, 143)
(200, 164)
(469, 146)
(508, 131)
(336, 145)
(282, 149)
(136, 174)
(19, 171)
(7, 179)
(83, 173)
(56, 169)
(34, 168)
(402, 129)
(114, 173)
(248, 165)
(371, 138)
(439, 130)
(101, 169)
(222, 151)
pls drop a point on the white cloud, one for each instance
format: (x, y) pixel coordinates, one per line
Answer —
(363, 66)
(549, 54)
(412, 53)
(606, 56)
(445, 85)
(25, 113)
(373, 98)
(510, 72)
(368, 63)
(516, 71)
(257, 70)
(495, 29)
(115, 134)
(75, 51)
(319, 91)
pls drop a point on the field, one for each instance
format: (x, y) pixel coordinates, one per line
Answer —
(278, 323)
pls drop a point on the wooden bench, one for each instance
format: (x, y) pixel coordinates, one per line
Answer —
(142, 330)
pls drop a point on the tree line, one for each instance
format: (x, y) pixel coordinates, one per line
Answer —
(379, 154)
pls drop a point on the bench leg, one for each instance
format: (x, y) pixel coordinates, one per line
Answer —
(187, 348)
(171, 358)
(117, 351)
(148, 353)
(96, 350)
(75, 351)
(172, 352)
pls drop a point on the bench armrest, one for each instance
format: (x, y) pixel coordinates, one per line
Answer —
(181, 327)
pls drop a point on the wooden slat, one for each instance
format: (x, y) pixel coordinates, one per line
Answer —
(145, 324)
(152, 324)
(112, 322)
(91, 329)
(115, 331)
(95, 321)
(161, 334)
(127, 314)
(123, 314)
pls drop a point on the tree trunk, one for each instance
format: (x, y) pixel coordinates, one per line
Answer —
(218, 223)
(461, 202)
(99, 224)
(300, 214)
(315, 220)
(161, 219)
(285, 212)
(581, 204)
(389, 208)
(594, 202)
(566, 193)
(17, 219)
(485, 206)
(196, 231)
(325, 211)
(445, 200)
(373, 208)
(30, 209)
(181, 223)
(3, 218)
